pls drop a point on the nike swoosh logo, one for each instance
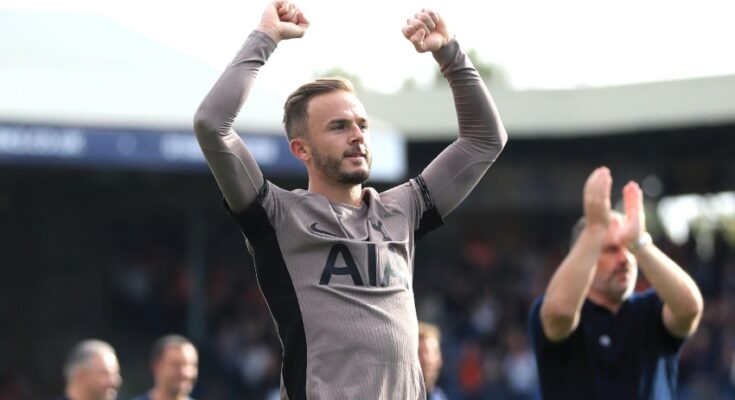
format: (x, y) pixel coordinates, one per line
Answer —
(317, 230)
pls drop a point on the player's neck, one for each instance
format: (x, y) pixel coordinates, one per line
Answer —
(337, 193)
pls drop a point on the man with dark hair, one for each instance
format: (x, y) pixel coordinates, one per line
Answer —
(335, 262)
(593, 337)
(91, 372)
(175, 366)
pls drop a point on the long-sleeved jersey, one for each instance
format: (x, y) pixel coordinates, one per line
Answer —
(337, 278)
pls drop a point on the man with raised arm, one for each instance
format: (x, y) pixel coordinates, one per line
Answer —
(593, 337)
(335, 262)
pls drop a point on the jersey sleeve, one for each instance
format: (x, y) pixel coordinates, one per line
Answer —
(541, 344)
(535, 330)
(451, 176)
(258, 220)
(232, 164)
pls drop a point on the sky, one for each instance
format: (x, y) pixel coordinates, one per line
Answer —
(538, 44)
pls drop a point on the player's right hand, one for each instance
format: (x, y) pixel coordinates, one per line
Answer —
(426, 31)
(282, 20)
(597, 197)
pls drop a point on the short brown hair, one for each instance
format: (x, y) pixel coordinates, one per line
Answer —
(295, 119)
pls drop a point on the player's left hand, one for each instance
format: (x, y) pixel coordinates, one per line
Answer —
(426, 31)
(635, 218)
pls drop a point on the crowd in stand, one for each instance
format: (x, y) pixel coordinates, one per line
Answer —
(478, 291)
(479, 294)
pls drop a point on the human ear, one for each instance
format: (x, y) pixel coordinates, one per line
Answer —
(300, 149)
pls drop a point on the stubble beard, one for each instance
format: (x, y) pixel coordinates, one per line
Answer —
(330, 167)
(623, 290)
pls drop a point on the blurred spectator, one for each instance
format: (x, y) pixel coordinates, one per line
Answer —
(519, 366)
(471, 373)
(175, 367)
(430, 358)
(92, 372)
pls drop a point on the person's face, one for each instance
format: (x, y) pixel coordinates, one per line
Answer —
(177, 369)
(616, 267)
(100, 378)
(430, 358)
(337, 139)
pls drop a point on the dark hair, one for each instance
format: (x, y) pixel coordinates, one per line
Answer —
(295, 118)
(160, 346)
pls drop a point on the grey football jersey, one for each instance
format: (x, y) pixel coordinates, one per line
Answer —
(338, 282)
(338, 279)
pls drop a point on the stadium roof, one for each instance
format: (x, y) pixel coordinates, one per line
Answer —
(616, 109)
(62, 68)
(86, 69)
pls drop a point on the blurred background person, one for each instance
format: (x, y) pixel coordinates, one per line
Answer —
(593, 336)
(92, 372)
(430, 358)
(175, 367)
